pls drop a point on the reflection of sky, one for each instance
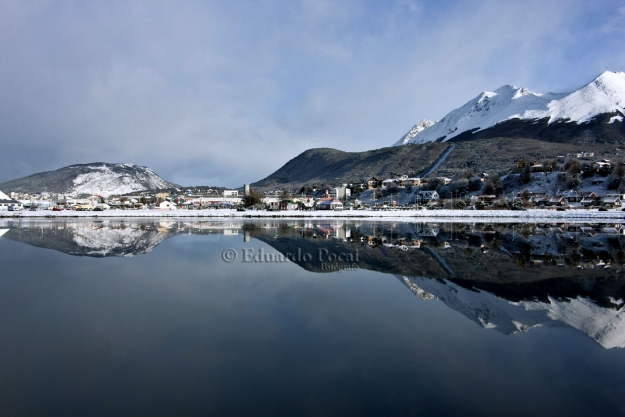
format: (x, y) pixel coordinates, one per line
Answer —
(179, 331)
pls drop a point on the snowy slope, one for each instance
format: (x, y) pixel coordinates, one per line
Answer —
(416, 129)
(106, 180)
(605, 94)
(605, 325)
(96, 178)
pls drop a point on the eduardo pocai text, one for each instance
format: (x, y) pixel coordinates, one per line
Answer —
(323, 258)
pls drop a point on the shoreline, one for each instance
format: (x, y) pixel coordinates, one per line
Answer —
(464, 215)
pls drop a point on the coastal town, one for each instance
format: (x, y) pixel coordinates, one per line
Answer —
(580, 185)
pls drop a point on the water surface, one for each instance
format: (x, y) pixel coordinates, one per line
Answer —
(122, 317)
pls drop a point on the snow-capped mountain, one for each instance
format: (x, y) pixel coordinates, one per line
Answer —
(97, 178)
(605, 325)
(416, 129)
(605, 95)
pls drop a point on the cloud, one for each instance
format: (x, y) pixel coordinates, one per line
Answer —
(224, 94)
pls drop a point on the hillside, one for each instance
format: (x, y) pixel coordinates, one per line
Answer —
(326, 165)
(501, 154)
(96, 178)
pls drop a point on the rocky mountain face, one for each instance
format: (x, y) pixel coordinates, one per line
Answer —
(96, 178)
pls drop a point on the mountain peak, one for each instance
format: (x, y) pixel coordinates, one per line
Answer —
(604, 95)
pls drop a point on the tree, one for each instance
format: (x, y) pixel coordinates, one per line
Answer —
(526, 174)
(572, 166)
(488, 188)
(432, 184)
(468, 173)
(616, 177)
(475, 184)
(252, 199)
(495, 182)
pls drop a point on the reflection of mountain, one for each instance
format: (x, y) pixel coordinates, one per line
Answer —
(604, 324)
(510, 279)
(95, 239)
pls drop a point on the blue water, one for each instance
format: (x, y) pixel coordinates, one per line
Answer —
(179, 331)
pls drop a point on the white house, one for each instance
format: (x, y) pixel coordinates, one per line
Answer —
(329, 204)
(427, 196)
(389, 183)
(167, 205)
(7, 203)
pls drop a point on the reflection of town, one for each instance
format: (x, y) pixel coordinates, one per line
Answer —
(526, 246)
(511, 277)
(103, 238)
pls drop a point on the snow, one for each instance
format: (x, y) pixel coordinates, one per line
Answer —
(604, 325)
(103, 241)
(416, 129)
(104, 181)
(605, 94)
(492, 216)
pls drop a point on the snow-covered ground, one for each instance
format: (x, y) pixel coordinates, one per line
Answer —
(448, 215)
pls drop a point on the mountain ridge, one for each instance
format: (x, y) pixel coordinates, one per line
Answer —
(604, 95)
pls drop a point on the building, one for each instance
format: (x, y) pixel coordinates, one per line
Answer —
(7, 203)
(329, 204)
(427, 196)
(167, 205)
(371, 182)
(340, 193)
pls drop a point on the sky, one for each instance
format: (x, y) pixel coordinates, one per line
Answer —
(223, 93)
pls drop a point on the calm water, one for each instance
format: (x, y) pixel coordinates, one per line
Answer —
(311, 318)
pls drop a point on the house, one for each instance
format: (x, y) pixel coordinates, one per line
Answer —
(167, 205)
(329, 204)
(574, 197)
(427, 196)
(389, 183)
(371, 182)
(288, 205)
(557, 201)
(589, 200)
(7, 203)
(611, 202)
(413, 181)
